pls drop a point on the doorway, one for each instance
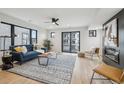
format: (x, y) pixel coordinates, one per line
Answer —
(71, 42)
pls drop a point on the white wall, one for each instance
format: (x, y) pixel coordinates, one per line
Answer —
(86, 42)
(42, 33)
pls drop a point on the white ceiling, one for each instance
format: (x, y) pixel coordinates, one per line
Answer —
(69, 17)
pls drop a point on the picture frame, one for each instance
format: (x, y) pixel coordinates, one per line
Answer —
(111, 34)
(92, 33)
(52, 35)
(110, 43)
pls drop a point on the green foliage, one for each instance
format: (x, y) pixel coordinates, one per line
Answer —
(47, 44)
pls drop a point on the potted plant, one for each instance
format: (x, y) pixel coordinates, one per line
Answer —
(47, 44)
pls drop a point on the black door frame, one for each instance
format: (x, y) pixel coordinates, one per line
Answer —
(70, 41)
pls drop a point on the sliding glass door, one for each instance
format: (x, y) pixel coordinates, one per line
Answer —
(71, 41)
(66, 42)
(75, 42)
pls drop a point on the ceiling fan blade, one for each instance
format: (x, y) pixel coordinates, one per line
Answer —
(53, 21)
(57, 19)
(57, 24)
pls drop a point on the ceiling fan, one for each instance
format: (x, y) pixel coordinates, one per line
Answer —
(53, 21)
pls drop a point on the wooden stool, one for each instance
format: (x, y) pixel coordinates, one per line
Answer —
(110, 72)
(80, 54)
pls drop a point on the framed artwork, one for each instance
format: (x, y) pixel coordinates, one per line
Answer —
(52, 34)
(92, 33)
(111, 45)
(110, 36)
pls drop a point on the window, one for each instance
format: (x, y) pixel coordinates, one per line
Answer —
(52, 34)
(5, 30)
(25, 38)
(22, 36)
(18, 35)
(34, 36)
(92, 33)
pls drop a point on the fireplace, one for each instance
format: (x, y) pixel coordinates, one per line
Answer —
(112, 53)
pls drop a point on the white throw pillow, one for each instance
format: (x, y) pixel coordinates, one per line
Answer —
(24, 49)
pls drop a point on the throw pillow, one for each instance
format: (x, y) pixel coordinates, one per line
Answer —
(18, 49)
(24, 49)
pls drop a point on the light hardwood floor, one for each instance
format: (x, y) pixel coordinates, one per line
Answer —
(82, 74)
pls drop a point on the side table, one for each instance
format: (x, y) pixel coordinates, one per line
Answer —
(7, 62)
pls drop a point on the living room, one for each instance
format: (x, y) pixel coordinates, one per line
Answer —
(73, 38)
(61, 46)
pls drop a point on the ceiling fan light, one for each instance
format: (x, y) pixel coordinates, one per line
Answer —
(53, 23)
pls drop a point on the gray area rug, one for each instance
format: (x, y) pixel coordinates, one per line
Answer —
(58, 71)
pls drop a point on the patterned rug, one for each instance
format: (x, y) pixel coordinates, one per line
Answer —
(58, 71)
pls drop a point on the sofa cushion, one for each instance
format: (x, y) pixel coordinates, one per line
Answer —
(29, 47)
(24, 49)
(30, 54)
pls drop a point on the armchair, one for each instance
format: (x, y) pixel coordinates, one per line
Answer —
(92, 52)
